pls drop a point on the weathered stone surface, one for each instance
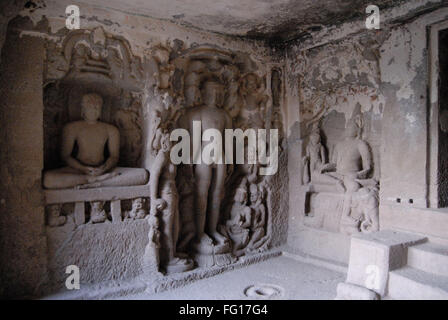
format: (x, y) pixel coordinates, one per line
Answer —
(105, 251)
(22, 244)
(347, 291)
(361, 142)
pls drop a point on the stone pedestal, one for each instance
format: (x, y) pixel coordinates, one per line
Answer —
(372, 256)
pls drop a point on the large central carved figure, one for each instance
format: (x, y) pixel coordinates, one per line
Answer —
(210, 179)
(88, 168)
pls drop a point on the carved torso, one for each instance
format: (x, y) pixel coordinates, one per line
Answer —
(91, 140)
(315, 154)
(252, 110)
(210, 117)
(349, 155)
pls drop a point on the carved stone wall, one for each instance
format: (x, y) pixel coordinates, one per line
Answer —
(338, 84)
(245, 100)
(335, 85)
(145, 89)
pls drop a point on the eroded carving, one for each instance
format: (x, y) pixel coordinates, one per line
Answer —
(138, 210)
(151, 257)
(97, 56)
(97, 212)
(252, 110)
(54, 217)
(165, 199)
(360, 209)
(351, 157)
(186, 207)
(355, 209)
(127, 120)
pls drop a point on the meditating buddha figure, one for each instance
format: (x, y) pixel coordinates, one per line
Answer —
(89, 168)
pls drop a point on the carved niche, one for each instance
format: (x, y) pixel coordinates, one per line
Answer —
(242, 95)
(94, 61)
(341, 191)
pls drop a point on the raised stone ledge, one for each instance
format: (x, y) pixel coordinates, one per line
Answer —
(103, 194)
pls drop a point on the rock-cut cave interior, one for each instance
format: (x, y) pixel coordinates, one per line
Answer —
(234, 149)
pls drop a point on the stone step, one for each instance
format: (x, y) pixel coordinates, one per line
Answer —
(412, 284)
(429, 257)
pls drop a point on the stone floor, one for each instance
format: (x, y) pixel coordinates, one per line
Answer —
(277, 278)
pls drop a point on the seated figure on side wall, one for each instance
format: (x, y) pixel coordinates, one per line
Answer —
(349, 170)
(315, 163)
(351, 158)
(88, 168)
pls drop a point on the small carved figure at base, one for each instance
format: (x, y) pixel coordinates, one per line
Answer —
(151, 259)
(97, 212)
(369, 199)
(138, 210)
(239, 223)
(258, 220)
(349, 225)
(360, 208)
(54, 218)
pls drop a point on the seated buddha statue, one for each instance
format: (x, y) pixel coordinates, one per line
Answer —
(89, 168)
